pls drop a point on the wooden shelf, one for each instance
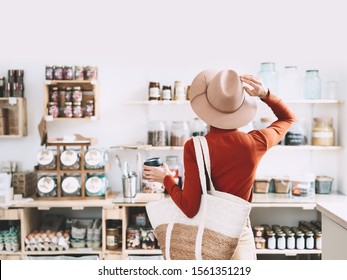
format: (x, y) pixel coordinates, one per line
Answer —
(16, 117)
(75, 82)
(84, 251)
(287, 252)
(143, 252)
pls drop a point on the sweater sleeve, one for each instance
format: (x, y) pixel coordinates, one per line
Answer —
(188, 199)
(274, 133)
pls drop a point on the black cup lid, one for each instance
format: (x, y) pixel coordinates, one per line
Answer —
(156, 161)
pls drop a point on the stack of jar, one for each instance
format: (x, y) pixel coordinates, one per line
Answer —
(307, 235)
(178, 92)
(67, 102)
(68, 72)
(95, 184)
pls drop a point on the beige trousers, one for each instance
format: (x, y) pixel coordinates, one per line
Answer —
(245, 250)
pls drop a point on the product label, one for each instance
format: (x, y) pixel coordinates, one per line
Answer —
(45, 157)
(69, 157)
(322, 135)
(110, 240)
(93, 157)
(166, 94)
(70, 185)
(154, 92)
(94, 184)
(45, 184)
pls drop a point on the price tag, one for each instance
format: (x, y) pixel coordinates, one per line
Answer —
(12, 100)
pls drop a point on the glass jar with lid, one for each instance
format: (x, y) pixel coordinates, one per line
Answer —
(77, 110)
(312, 85)
(53, 109)
(271, 240)
(46, 160)
(166, 92)
(95, 159)
(47, 186)
(154, 91)
(269, 76)
(71, 185)
(89, 110)
(309, 242)
(68, 110)
(54, 94)
(300, 241)
(96, 184)
(290, 83)
(112, 235)
(296, 134)
(290, 240)
(77, 94)
(179, 91)
(323, 132)
(70, 160)
(198, 127)
(318, 240)
(281, 240)
(176, 169)
(179, 133)
(157, 134)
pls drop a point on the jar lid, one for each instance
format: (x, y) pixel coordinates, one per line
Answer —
(258, 228)
(69, 157)
(54, 88)
(77, 103)
(76, 88)
(68, 88)
(52, 103)
(68, 103)
(45, 157)
(323, 119)
(156, 161)
(70, 184)
(90, 101)
(94, 184)
(45, 184)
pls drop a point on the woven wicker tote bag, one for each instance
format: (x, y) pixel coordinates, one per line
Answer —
(213, 233)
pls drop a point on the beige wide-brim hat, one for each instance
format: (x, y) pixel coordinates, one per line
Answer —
(218, 98)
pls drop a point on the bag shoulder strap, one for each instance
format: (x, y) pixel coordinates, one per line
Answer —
(200, 162)
(207, 159)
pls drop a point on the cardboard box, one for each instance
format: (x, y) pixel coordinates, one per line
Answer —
(24, 183)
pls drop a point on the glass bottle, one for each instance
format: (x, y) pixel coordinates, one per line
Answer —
(312, 85)
(271, 240)
(309, 242)
(71, 185)
(269, 76)
(318, 240)
(166, 93)
(290, 240)
(47, 186)
(300, 241)
(154, 91)
(179, 91)
(281, 241)
(290, 87)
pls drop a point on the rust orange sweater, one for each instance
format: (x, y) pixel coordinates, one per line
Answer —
(235, 156)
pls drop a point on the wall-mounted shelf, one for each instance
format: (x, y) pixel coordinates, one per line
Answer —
(287, 252)
(13, 117)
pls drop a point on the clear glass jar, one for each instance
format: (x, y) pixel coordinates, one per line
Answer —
(77, 110)
(176, 169)
(179, 133)
(318, 240)
(90, 73)
(154, 91)
(71, 185)
(68, 110)
(77, 94)
(296, 134)
(157, 134)
(269, 76)
(58, 72)
(96, 184)
(68, 72)
(258, 231)
(47, 186)
(290, 86)
(53, 109)
(54, 94)
(79, 73)
(112, 238)
(166, 93)
(70, 160)
(46, 160)
(323, 133)
(312, 85)
(133, 238)
(198, 128)
(281, 241)
(300, 241)
(95, 159)
(309, 242)
(290, 240)
(68, 94)
(89, 108)
(179, 91)
(271, 240)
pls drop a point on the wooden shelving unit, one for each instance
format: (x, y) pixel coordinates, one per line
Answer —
(90, 92)
(82, 171)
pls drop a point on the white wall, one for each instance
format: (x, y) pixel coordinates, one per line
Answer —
(134, 41)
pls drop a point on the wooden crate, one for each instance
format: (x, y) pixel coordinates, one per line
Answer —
(13, 117)
(24, 183)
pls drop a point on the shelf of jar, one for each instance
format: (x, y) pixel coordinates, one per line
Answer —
(56, 82)
(50, 118)
(143, 252)
(278, 147)
(287, 252)
(265, 200)
(84, 251)
(186, 102)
